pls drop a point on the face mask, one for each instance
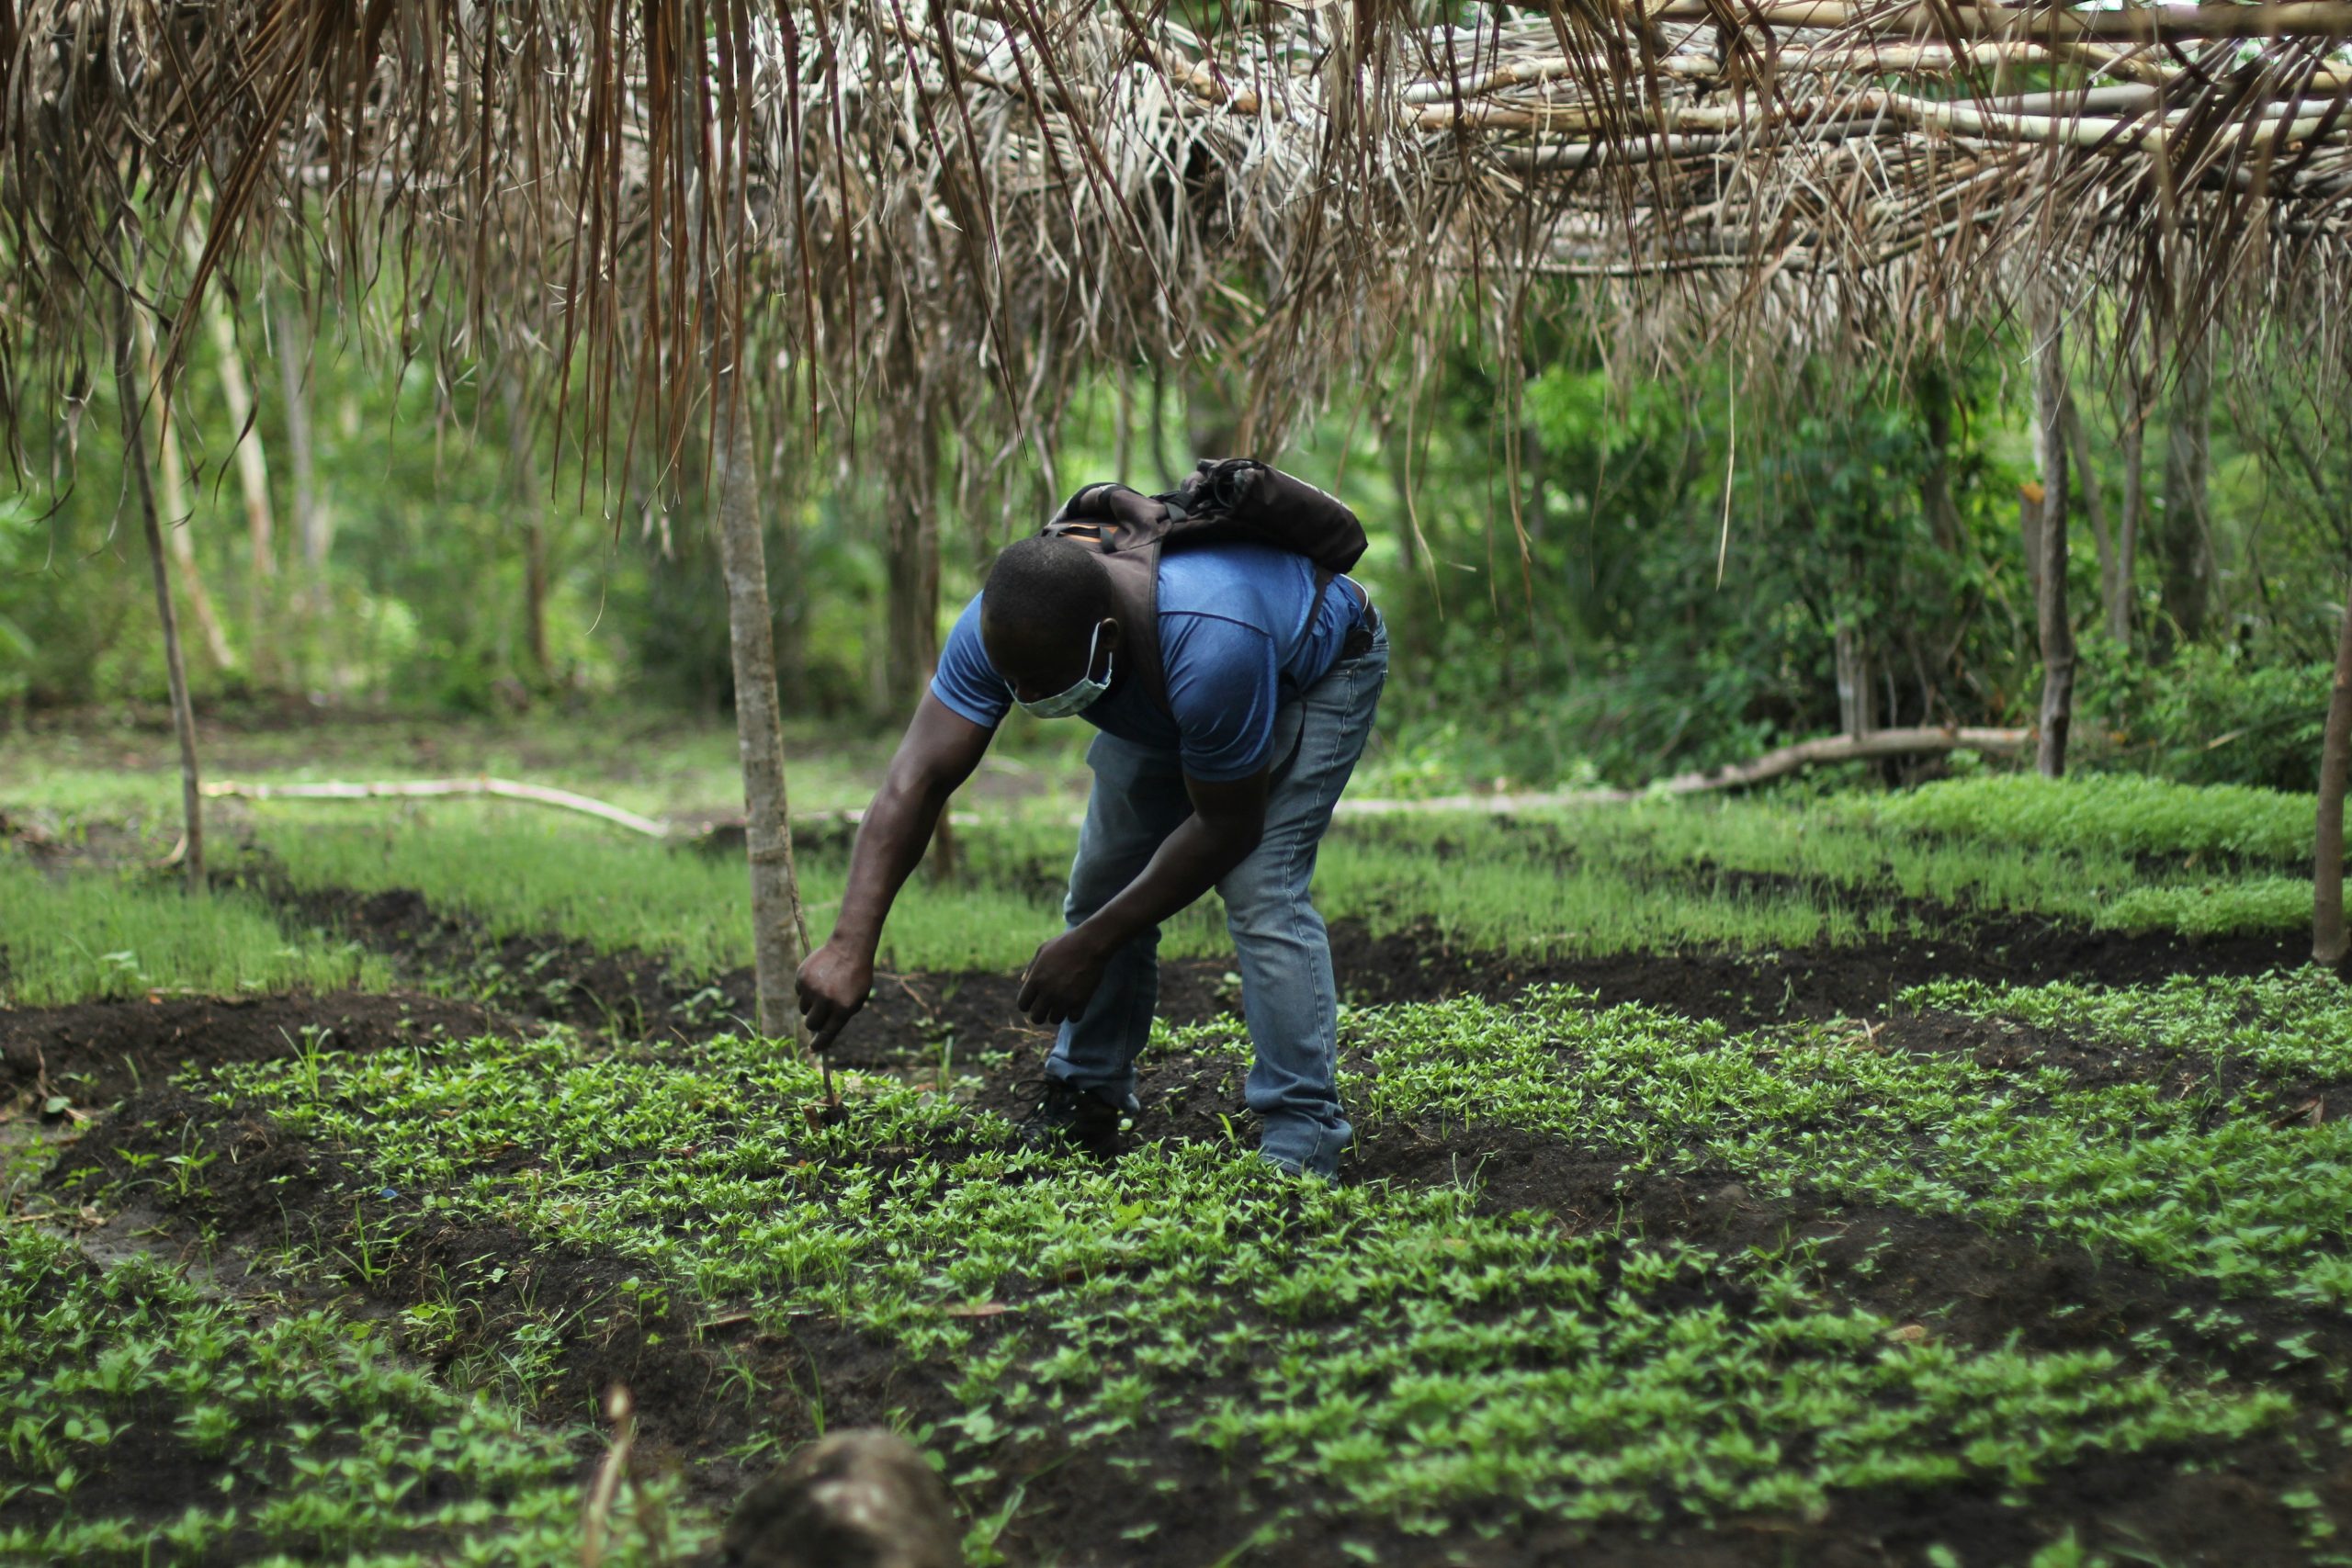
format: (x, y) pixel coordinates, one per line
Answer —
(1080, 698)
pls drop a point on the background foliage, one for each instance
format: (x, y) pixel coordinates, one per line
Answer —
(1656, 581)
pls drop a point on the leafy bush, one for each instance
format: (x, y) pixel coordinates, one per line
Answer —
(2211, 716)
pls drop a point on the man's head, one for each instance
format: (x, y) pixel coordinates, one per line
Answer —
(1047, 603)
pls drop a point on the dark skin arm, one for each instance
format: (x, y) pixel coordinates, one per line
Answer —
(1227, 822)
(937, 754)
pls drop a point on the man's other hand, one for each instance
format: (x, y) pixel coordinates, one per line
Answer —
(833, 985)
(1060, 980)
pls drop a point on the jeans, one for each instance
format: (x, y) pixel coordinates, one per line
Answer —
(1287, 993)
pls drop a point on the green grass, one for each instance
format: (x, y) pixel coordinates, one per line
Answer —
(523, 873)
(1417, 1363)
(95, 936)
(1657, 876)
(2115, 813)
(2223, 908)
(309, 1436)
(644, 759)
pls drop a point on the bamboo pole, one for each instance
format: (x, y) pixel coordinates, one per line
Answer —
(131, 395)
(2330, 945)
(2297, 18)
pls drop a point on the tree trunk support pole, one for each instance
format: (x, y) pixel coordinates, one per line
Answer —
(779, 927)
(131, 395)
(2049, 541)
(2329, 944)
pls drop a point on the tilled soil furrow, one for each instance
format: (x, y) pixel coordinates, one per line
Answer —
(267, 1189)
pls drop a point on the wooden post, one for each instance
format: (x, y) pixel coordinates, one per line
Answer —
(2048, 540)
(779, 928)
(2329, 944)
(132, 394)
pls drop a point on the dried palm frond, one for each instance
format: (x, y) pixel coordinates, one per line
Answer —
(947, 211)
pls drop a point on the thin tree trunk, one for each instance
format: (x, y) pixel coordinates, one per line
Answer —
(535, 595)
(1934, 393)
(132, 394)
(791, 620)
(779, 928)
(522, 481)
(2094, 503)
(313, 525)
(912, 624)
(2187, 586)
(253, 477)
(2329, 944)
(1123, 428)
(176, 510)
(2127, 528)
(1168, 474)
(913, 620)
(2049, 541)
(1857, 697)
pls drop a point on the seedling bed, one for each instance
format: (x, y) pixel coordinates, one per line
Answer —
(535, 1221)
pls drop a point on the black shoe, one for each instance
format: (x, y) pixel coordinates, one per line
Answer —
(1064, 1116)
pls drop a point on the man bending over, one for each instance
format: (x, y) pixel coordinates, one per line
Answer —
(1232, 708)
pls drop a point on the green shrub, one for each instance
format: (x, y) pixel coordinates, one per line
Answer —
(2211, 716)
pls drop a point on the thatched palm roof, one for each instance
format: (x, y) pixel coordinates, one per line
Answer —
(875, 199)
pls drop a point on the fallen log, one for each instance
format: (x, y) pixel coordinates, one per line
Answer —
(430, 789)
(1914, 742)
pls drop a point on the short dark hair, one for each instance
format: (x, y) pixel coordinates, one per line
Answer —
(1045, 584)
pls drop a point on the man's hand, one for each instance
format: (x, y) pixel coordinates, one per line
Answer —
(1060, 980)
(833, 985)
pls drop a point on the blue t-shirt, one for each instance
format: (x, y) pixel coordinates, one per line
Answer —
(1240, 629)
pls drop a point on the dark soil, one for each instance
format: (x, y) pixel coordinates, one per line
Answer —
(2227, 1086)
(638, 995)
(94, 1052)
(1936, 1276)
(264, 1190)
(1822, 981)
